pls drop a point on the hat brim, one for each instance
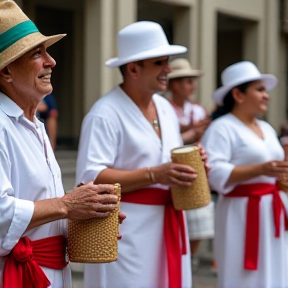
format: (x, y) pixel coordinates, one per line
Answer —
(185, 73)
(269, 80)
(153, 53)
(24, 45)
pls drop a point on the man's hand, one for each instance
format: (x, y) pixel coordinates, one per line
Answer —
(174, 174)
(121, 218)
(204, 157)
(89, 200)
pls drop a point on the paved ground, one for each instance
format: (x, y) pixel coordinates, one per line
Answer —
(203, 276)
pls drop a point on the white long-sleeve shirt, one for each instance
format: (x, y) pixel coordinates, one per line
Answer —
(116, 134)
(28, 172)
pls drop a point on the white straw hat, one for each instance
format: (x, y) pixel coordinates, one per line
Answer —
(181, 68)
(142, 40)
(18, 34)
(240, 73)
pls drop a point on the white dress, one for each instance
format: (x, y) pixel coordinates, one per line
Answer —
(27, 174)
(116, 134)
(230, 143)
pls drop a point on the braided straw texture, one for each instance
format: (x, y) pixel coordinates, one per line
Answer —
(94, 240)
(198, 194)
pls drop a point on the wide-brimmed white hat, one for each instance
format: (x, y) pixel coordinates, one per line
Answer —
(142, 40)
(240, 73)
(180, 67)
(18, 34)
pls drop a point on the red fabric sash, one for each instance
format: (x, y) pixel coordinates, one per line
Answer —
(22, 268)
(174, 228)
(254, 192)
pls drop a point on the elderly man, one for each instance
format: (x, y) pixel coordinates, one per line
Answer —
(33, 206)
(127, 137)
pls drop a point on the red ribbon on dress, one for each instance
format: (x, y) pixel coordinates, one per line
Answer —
(254, 192)
(174, 228)
(22, 268)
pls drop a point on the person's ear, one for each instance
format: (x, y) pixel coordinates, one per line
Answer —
(238, 95)
(133, 69)
(5, 74)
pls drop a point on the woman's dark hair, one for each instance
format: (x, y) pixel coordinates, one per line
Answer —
(229, 102)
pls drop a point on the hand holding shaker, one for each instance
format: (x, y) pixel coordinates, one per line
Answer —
(198, 194)
(94, 240)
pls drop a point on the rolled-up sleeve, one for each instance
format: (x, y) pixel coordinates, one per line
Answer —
(15, 214)
(218, 145)
(97, 148)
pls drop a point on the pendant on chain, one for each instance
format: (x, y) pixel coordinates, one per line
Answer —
(155, 124)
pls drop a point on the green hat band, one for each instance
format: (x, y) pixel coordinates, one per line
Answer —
(16, 33)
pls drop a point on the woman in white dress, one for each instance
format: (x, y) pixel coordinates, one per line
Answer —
(246, 161)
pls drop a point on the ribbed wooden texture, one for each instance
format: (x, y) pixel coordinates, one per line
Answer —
(198, 195)
(94, 240)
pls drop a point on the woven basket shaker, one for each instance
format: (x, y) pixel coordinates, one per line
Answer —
(198, 194)
(94, 240)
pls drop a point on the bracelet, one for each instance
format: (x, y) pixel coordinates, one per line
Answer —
(151, 175)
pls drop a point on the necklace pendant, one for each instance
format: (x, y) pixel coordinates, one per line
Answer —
(155, 124)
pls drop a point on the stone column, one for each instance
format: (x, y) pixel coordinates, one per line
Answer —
(126, 13)
(277, 105)
(98, 47)
(208, 51)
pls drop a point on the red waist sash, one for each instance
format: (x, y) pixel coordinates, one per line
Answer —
(254, 192)
(22, 266)
(174, 228)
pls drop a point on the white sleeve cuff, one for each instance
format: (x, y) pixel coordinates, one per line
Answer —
(22, 216)
(90, 174)
(219, 175)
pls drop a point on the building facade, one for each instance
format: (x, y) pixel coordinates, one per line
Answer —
(217, 33)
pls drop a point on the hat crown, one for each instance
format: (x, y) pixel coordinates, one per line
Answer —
(10, 15)
(181, 67)
(240, 72)
(180, 64)
(140, 37)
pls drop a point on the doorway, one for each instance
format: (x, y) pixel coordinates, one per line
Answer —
(62, 76)
(230, 35)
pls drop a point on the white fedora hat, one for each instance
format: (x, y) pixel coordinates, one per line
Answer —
(181, 68)
(142, 40)
(240, 73)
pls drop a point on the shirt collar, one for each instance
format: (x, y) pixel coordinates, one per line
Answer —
(9, 107)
